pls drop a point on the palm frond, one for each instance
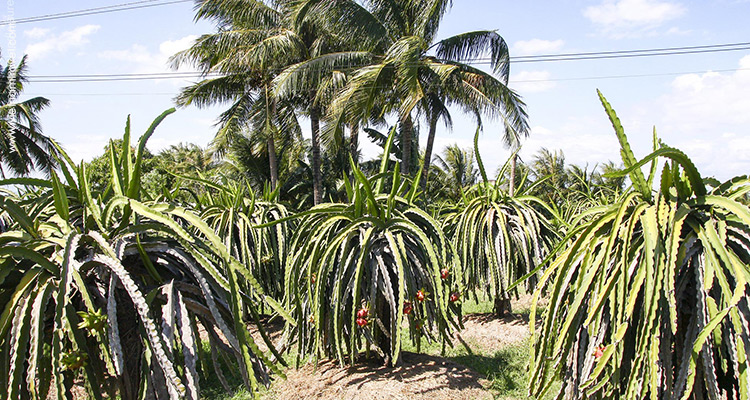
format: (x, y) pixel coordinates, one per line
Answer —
(245, 13)
(305, 76)
(348, 19)
(470, 45)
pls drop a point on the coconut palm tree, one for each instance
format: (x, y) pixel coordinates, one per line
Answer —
(550, 165)
(255, 41)
(411, 74)
(605, 182)
(186, 158)
(239, 63)
(248, 159)
(312, 86)
(457, 170)
(23, 147)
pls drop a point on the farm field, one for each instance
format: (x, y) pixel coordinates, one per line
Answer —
(375, 199)
(488, 360)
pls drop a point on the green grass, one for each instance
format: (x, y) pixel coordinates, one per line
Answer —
(505, 369)
(240, 394)
(211, 388)
(481, 306)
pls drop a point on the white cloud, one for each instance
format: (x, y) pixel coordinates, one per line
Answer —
(85, 146)
(710, 99)
(623, 18)
(582, 140)
(171, 47)
(136, 54)
(706, 116)
(536, 46)
(58, 43)
(531, 81)
(36, 33)
(142, 60)
(675, 31)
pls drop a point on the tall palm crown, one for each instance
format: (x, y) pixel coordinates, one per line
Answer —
(550, 165)
(186, 158)
(454, 171)
(256, 40)
(404, 71)
(23, 147)
(239, 62)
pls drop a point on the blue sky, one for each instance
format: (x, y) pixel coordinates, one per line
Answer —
(698, 102)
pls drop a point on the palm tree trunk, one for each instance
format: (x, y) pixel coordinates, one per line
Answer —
(317, 178)
(354, 142)
(407, 130)
(512, 183)
(428, 154)
(502, 306)
(273, 163)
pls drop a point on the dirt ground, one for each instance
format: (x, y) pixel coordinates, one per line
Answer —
(274, 329)
(421, 376)
(490, 333)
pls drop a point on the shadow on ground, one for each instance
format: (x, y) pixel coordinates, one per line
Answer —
(420, 377)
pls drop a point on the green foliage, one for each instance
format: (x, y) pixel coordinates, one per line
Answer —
(498, 238)
(452, 173)
(232, 212)
(374, 253)
(100, 172)
(572, 190)
(159, 171)
(247, 159)
(109, 290)
(648, 297)
(23, 147)
(297, 190)
(396, 155)
(403, 71)
(548, 168)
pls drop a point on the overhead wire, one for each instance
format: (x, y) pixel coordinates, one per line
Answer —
(93, 11)
(578, 56)
(475, 61)
(584, 78)
(660, 49)
(613, 56)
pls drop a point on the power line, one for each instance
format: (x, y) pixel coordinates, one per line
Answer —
(524, 58)
(582, 78)
(93, 11)
(116, 78)
(612, 56)
(662, 49)
(102, 94)
(187, 73)
(587, 78)
(477, 61)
